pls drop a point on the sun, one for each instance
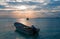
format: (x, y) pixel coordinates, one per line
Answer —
(22, 7)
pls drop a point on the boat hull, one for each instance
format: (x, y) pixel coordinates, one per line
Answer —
(25, 29)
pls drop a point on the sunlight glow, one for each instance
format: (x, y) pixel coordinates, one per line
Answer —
(42, 1)
(22, 7)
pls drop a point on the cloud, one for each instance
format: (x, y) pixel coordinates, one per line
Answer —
(2, 6)
(56, 0)
(57, 8)
(23, 3)
(42, 4)
(48, 8)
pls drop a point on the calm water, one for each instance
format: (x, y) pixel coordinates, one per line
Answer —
(49, 29)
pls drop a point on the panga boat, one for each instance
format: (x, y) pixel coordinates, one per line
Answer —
(26, 29)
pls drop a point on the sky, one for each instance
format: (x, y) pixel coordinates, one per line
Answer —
(48, 8)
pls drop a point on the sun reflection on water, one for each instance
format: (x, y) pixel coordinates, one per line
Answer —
(24, 21)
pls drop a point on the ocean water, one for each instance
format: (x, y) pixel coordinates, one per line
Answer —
(49, 29)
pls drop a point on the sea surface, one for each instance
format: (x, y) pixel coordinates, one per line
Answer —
(49, 29)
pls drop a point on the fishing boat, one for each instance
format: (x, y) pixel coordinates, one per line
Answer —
(26, 29)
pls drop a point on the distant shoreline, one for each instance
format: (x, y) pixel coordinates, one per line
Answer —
(35, 18)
